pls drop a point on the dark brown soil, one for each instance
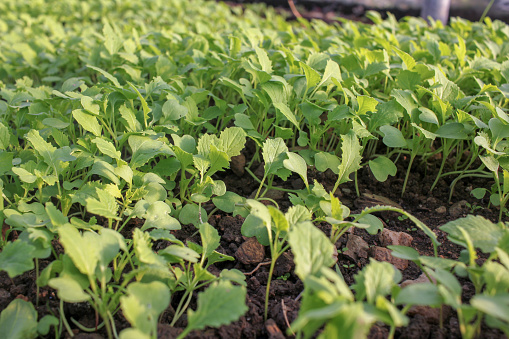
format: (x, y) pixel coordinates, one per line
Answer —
(286, 287)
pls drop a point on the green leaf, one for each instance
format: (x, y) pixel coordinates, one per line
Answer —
(16, 258)
(382, 167)
(69, 290)
(45, 149)
(493, 305)
(232, 141)
(209, 239)
(132, 124)
(44, 325)
(404, 252)
(19, 320)
(81, 249)
(280, 222)
(408, 80)
(325, 161)
(253, 226)
(311, 248)
(106, 75)
(312, 76)
(274, 153)
(190, 214)
(106, 206)
(112, 41)
(143, 305)
(366, 104)
(219, 160)
(285, 110)
(107, 148)
(264, 60)
(88, 104)
(376, 279)
(143, 249)
(87, 121)
(227, 201)
(173, 110)
(332, 71)
(485, 235)
(375, 224)
(408, 60)
(105, 170)
(392, 136)
(220, 304)
(297, 164)
(144, 149)
(350, 156)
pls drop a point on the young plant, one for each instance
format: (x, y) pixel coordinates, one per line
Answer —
(270, 226)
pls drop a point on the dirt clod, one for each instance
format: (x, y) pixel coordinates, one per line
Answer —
(237, 164)
(250, 252)
(357, 247)
(384, 254)
(388, 237)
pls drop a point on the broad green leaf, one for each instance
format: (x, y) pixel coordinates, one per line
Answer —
(5, 137)
(209, 239)
(452, 130)
(133, 333)
(112, 41)
(312, 76)
(408, 60)
(285, 110)
(87, 121)
(227, 201)
(69, 290)
(274, 153)
(495, 306)
(132, 124)
(392, 136)
(144, 303)
(220, 304)
(107, 148)
(19, 320)
(264, 60)
(408, 80)
(81, 249)
(332, 71)
(232, 141)
(24, 175)
(219, 160)
(296, 214)
(253, 226)
(17, 258)
(55, 215)
(350, 156)
(125, 172)
(144, 149)
(485, 235)
(88, 104)
(106, 75)
(382, 167)
(279, 221)
(311, 248)
(173, 110)
(45, 149)
(297, 164)
(192, 214)
(44, 325)
(325, 161)
(105, 170)
(143, 249)
(177, 253)
(106, 206)
(376, 279)
(375, 224)
(404, 252)
(366, 104)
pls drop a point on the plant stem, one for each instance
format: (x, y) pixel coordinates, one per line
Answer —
(412, 157)
(267, 290)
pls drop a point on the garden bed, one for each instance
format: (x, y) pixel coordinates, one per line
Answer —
(210, 171)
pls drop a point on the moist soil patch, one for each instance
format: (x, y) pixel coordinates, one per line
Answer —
(432, 208)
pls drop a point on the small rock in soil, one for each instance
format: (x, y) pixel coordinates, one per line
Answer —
(237, 164)
(357, 247)
(273, 330)
(284, 265)
(441, 210)
(250, 252)
(384, 254)
(432, 315)
(458, 209)
(420, 280)
(388, 237)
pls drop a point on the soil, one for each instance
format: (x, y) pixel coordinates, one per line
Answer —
(434, 209)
